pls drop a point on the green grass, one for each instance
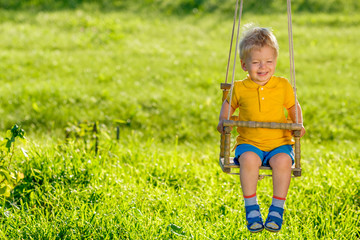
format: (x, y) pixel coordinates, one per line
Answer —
(162, 74)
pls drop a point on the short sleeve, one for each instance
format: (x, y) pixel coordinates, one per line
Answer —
(234, 99)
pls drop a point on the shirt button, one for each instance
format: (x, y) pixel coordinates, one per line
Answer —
(262, 98)
(262, 88)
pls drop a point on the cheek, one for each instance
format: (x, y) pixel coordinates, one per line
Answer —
(253, 68)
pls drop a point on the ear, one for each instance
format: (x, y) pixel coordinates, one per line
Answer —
(243, 66)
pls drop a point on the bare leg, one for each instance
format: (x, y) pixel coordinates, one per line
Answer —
(249, 172)
(281, 170)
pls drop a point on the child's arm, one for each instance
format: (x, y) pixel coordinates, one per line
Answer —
(224, 115)
(292, 115)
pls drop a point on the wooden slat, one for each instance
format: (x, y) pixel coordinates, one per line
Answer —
(297, 152)
(271, 125)
(232, 165)
(226, 86)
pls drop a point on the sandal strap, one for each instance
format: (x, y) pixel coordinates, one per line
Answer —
(271, 218)
(277, 220)
(276, 209)
(257, 219)
(252, 220)
(250, 208)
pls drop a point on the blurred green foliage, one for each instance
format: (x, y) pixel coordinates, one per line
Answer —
(188, 6)
(160, 74)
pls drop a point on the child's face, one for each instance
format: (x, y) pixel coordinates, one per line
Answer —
(260, 64)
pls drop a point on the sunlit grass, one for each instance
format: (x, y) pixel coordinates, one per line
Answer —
(169, 191)
(161, 179)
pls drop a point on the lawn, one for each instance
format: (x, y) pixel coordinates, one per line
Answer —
(157, 77)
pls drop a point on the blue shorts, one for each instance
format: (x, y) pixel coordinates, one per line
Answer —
(264, 156)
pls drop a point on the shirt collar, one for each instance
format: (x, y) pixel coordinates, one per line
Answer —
(251, 84)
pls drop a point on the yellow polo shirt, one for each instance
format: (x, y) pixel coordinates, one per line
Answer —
(263, 104)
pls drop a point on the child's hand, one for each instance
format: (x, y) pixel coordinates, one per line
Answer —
(302, 131)
(220, 126)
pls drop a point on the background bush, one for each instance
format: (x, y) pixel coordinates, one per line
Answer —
(189, 6)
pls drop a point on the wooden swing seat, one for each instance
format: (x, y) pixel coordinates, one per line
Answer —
(231, 164)
(227, 163)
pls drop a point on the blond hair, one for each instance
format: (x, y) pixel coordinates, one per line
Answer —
(256, 38)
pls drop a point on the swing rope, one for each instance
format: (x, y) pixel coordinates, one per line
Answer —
(236, 47)
(231, 42)
(291, 57)
(291, 53)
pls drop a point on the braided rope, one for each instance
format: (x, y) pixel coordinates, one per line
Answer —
(291, 53)
(236, 47)
(231, 41)
(291, 57)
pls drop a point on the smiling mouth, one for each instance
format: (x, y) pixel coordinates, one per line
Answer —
(262, 73)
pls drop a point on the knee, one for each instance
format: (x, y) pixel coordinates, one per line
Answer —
(249, 160)
(281, 161)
